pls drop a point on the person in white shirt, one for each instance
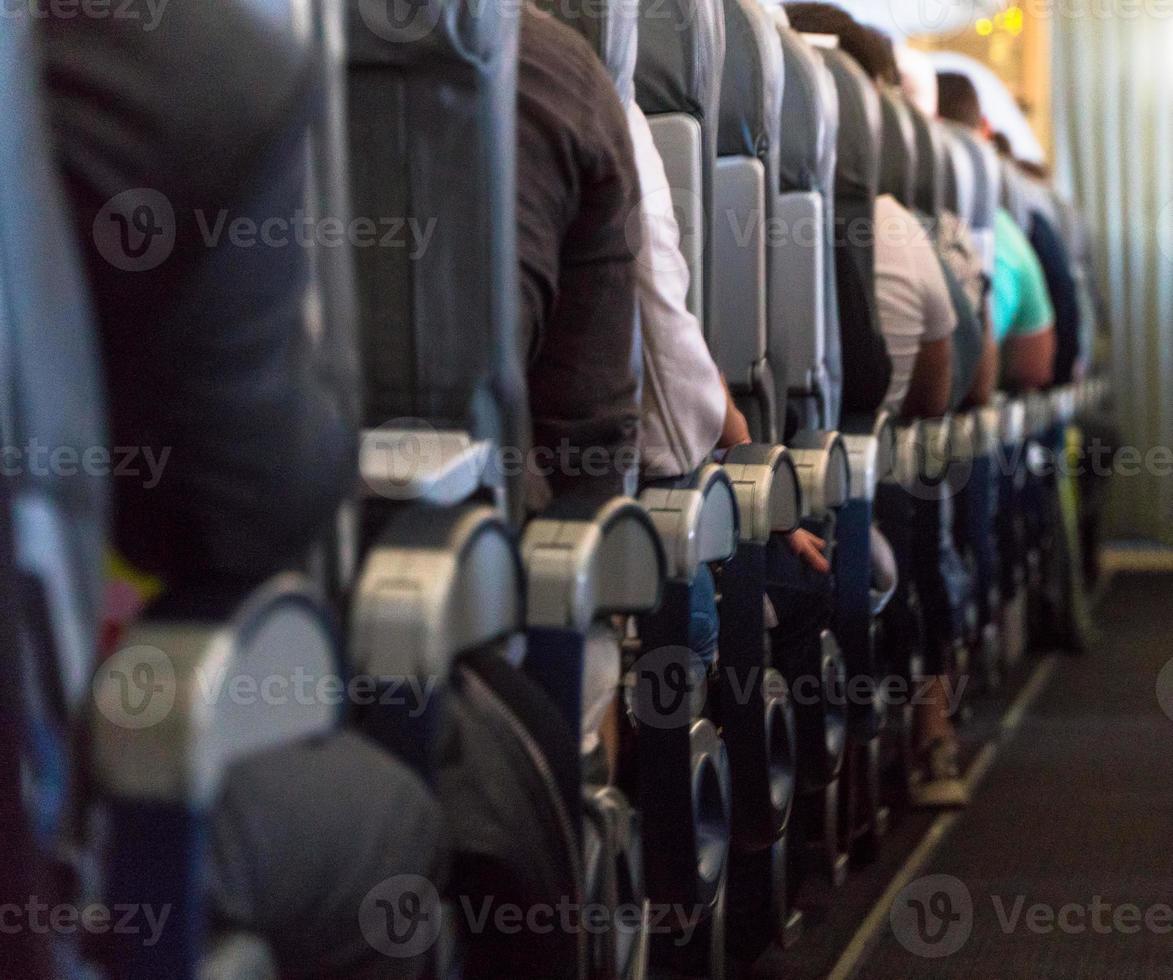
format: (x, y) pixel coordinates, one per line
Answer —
(916, 312)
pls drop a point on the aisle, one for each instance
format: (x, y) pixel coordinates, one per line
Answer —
(1062, 867)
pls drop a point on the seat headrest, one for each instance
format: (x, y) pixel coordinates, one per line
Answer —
(810, 114)
(987, 174)
(929, 189)
(681, 55)
(751, 85)
(438, 32)
(857, 172)
(898, 161)
(960, 179)
(611, 27)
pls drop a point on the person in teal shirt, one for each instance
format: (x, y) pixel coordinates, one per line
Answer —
(1022, 305)
(1024, 318)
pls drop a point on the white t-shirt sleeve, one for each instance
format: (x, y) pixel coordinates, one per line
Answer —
(683, 405)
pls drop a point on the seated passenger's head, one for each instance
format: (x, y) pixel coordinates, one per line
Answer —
(872, 50)
(957, 99)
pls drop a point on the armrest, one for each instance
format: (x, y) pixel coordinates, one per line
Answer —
(611, 561)
(935, 450)
(824, 469)
(1038, 412)
(185, 699)
(1063, 401)
(769, 494)
(698, 524)
(871, 454)
(439, 582)
(1012, 420)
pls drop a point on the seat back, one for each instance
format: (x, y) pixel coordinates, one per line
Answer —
(866, 367)
(898, 160)
(53, 509)
(987, 172)
(930, 176)
(751, 284)
(1017, 195)
(677, 85)
(432, 130)
(960, 176)
(809, 316)
(52, 397)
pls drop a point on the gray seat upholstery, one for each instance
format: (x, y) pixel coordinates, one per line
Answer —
(866, 366)
(611, 30)
(677, 85)
(52, 524)
(432, 120)
(809, 317)
(930, 176)
(432, 106)
(987, 172)
(960, 176)
(52, 389)
(751, 284)
(898, 159)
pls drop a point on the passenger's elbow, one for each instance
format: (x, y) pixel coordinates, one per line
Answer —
(1030, 360)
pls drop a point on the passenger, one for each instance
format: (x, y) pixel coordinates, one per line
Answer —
(917, 320)
(576, 188)
(1058, 270)
(973, 383)
(1024, 318)
(210, 365)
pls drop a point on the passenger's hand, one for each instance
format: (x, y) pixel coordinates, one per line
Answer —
(810, 548)
(735, 431)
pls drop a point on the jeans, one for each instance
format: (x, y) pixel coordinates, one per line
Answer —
(703, 622)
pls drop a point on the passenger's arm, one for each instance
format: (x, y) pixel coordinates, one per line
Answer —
(1028, 360)
(986, 378)
(735, 431)
(1028, 356)
(931, 384)
(928, 389)
(576, 158)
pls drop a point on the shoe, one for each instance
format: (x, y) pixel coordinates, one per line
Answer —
(938, 784)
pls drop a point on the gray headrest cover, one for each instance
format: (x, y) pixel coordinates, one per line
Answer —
(611, 27)
(858, 171)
